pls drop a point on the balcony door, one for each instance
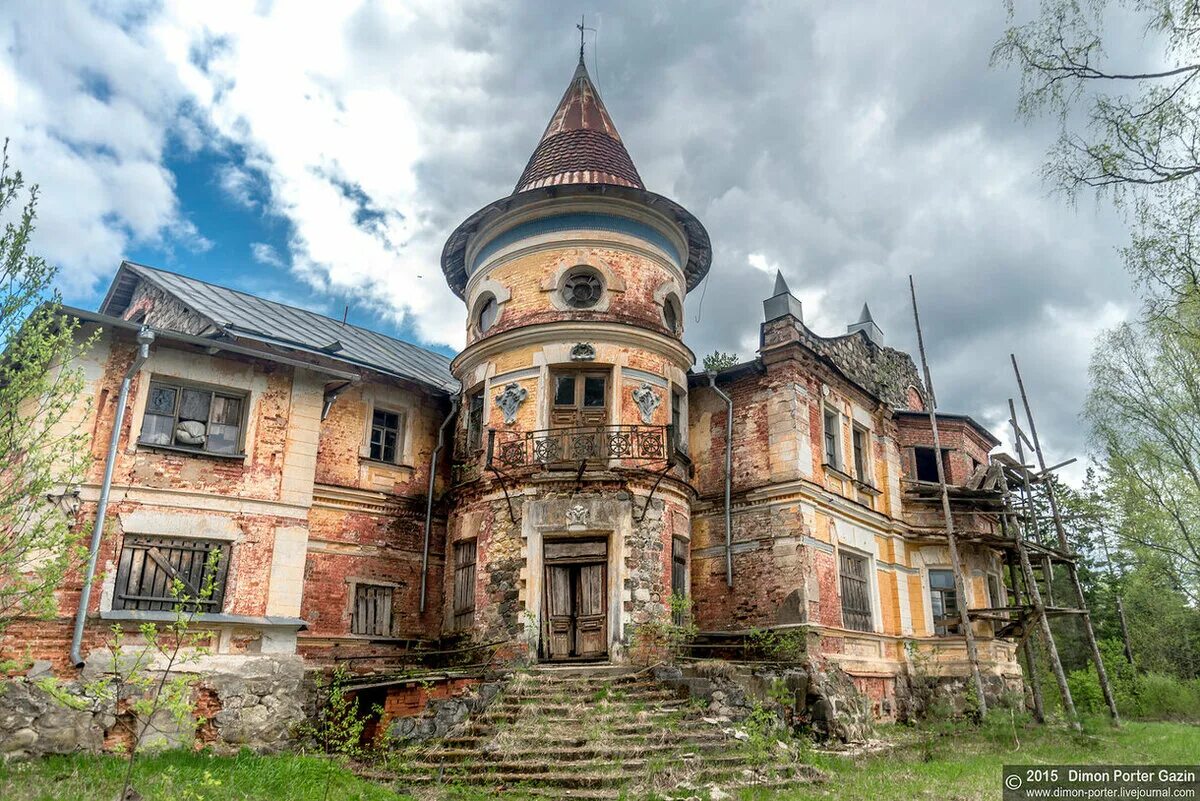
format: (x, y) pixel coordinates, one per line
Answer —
(580, 399)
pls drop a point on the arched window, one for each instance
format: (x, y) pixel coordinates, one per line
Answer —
(583, 288)
(489, 310)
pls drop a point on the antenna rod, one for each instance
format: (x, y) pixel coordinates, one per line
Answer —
(960, 582)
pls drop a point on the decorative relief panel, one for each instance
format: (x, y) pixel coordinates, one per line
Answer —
(647, 401)
(510, 401)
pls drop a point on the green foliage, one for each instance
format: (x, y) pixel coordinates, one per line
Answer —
(717, 361)
(43, 454)
(777, 645)
(1149, 696)
(665, 638)
(339, 725)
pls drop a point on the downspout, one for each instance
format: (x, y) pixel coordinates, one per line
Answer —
(144, 338)
(712, 382)
(433, 462)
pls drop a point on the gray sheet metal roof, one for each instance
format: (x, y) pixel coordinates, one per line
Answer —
(247, 316)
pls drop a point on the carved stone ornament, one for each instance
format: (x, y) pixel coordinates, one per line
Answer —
(577, 515)
(583, 352)
(647, 401)
(510, 400)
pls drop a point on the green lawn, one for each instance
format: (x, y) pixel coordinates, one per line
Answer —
(961, 763)
(925, 763)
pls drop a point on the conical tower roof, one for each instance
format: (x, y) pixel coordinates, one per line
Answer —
(581, 144)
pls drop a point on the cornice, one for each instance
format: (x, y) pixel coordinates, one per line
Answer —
(571, 331)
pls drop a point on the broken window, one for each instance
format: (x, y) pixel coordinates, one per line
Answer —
(860, 443)
(856, 593)
(149, 567)
(832, 428)
(195, 418)
(943, 598)
(926, 464)
(464, 584)
(372, 613)
(386, 435)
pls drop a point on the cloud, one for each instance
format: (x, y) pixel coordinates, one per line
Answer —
(263, 253)
(848, 145)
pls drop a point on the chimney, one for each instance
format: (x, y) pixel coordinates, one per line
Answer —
(783, 303)
(866, 324)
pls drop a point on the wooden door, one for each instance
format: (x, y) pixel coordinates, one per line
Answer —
(560, 618)
(591, 618)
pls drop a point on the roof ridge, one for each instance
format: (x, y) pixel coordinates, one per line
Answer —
(289, 306)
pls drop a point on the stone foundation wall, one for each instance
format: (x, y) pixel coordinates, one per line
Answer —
(254, 702)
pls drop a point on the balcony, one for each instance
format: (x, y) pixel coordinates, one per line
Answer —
(563, 447)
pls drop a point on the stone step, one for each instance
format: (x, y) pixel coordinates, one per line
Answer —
(630, 750)
(584, 690)
(666, 737)
(634, 761)
(607, 777)
(622, 706)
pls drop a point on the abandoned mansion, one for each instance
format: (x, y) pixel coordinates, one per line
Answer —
(542, 496)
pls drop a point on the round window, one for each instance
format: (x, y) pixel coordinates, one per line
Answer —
(488, 313)
(671, 315)
(582, 289)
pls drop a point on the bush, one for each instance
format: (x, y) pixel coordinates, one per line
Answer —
(1148, 696)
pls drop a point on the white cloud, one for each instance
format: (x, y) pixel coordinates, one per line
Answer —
(263, 253)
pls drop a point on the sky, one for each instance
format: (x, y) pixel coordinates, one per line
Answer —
(320, 154)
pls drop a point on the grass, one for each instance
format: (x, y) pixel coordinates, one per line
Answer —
(965, 763)
(959, 762)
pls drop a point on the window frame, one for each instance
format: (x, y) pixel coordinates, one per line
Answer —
(578, 272)
(993, 581)
(942, 593)
(486, 301)
(214, 390)
(862, 583)
(381, 590)
(945, 464)
(833, 459)
(861, 455)
(200, 548)
(476, 407)
(401, 431)
(671, 303)
(680, 550)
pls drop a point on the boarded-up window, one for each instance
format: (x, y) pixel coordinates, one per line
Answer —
(149, 567)
(372, 610)
(464, 584)
(856, 593)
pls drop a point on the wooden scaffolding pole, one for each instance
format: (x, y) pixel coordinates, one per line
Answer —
(1035, 680)
(1072, 572)
(1035, 595)
(960, 583)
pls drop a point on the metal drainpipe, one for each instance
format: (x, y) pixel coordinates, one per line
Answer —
(433, 461)
(145, 337)
(712, 382)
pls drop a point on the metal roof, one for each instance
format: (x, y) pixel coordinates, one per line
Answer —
(243, 316)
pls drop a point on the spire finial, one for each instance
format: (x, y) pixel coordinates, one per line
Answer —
(580, 26)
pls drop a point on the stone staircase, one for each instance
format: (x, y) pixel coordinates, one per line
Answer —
(597, 732)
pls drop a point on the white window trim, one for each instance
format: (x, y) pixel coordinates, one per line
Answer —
(404, 451)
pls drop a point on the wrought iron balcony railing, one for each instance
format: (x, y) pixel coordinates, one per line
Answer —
(561, 446)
